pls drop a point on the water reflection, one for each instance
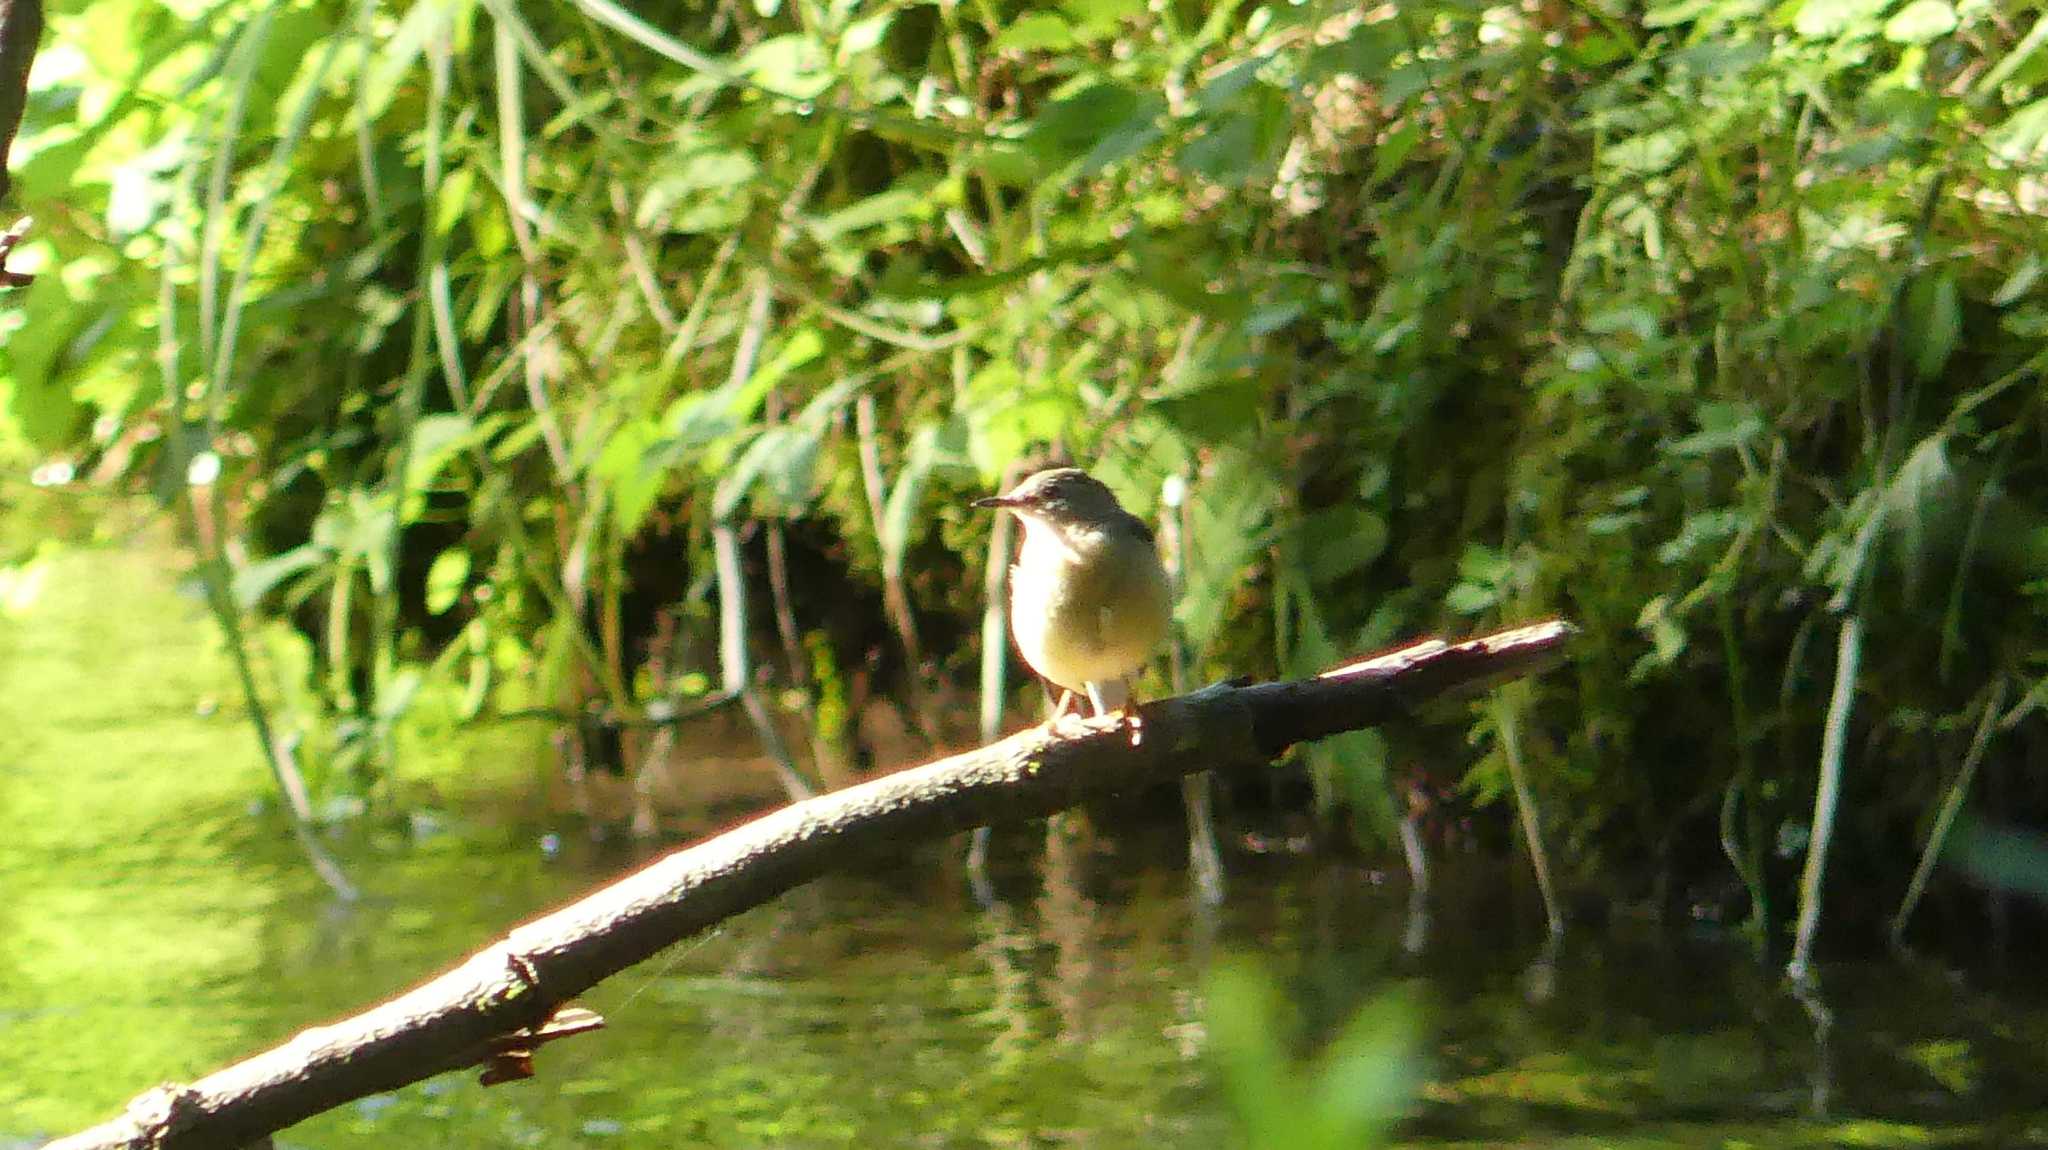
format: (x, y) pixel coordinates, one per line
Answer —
(890, 1007)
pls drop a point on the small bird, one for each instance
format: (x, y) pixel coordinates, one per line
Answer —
(1089, 602)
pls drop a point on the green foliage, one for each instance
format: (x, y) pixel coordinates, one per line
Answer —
(1687, 323)
(1347, 1096)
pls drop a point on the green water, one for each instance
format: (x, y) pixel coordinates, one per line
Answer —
(154, 924)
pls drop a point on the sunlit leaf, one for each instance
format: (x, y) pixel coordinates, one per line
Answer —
(794, 65)
(1035, 32)
(446, 577)
(1921, 21)
(1823, 18)
(253, 582)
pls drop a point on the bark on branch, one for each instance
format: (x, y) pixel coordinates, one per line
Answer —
(488, 1009)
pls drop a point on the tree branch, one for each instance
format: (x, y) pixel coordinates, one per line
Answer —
(21, 27)
(497, 1005)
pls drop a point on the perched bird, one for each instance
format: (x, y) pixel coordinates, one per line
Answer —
(1088, 599)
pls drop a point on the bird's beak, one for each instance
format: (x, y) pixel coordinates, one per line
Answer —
(997, 501)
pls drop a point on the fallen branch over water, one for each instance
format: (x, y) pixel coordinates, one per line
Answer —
(498, 1005)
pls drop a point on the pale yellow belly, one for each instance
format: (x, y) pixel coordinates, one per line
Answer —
(1090, 616)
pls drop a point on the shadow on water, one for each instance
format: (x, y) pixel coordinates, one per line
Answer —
(153, 928)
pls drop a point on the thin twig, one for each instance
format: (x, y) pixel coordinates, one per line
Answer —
(1827, 796)
(1951, 806)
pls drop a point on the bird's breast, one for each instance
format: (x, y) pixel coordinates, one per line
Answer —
(1087, 607)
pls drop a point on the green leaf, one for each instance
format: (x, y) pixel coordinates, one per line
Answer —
(1036, 32)
(635, 467)
(1367, 53)
(253, 582)
(1921, 21)
(1723, 427)
(436, 440)
(1825, 19)
(863, 37)
(935, 447)
(446, 578)
(2023, 138)
(1937, 323)
(2020, 282)
(1080, 123)
(1647, 154)
(795, 65)
(911, 198)
(1338, 541)
(706, 176)
(1212, 410)
(1101, 17)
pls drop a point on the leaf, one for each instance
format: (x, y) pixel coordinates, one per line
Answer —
(1078, 124)
(258, 579)
(436, 439)
(1723, 427)
(2024, 136)
(863, 37)
(935, 446)
(446, 577)
(785, 455)
(1921, 21)
(1036, 32)
(701, 172)
(1338, 541)
(1700, 529)
(1367, 53)
(795, 65)
(1826, 19)
(1212, 410)
(2019, 282)
(1647, 154)
(1937, 323)
(635, 468)
(911, 198)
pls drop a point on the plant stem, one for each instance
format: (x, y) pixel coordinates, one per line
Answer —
(1525, 806)
(1197, 791)
(1848, 657)
(1951, 806)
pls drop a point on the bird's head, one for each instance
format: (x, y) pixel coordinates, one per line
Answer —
(1060, 497)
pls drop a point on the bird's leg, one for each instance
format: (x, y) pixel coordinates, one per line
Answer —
(1060, 707)
(1113, 696)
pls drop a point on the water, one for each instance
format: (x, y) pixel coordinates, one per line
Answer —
(153, 927)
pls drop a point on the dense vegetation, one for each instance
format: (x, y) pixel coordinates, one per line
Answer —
(470, 336)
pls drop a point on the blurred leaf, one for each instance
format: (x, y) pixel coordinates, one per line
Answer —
(1101, 123)
(1366, 53)
(1035, 32)
(2001, 858)
(635, 468)
(446, 578)
(256, 580)
(1338, 541)
(2020, 282)
(1212, 410)
(1936, 318)
(1921, 21)
(1828, 18)
(934, 447)
(863, 36)
(2023, 138)
(1723, 427)
(700, 171)
(793, 65)
(1701, 529)
(436, 441)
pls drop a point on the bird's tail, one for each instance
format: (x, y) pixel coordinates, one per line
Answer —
(1110, 695)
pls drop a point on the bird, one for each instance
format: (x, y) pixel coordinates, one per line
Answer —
(1089, 600)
